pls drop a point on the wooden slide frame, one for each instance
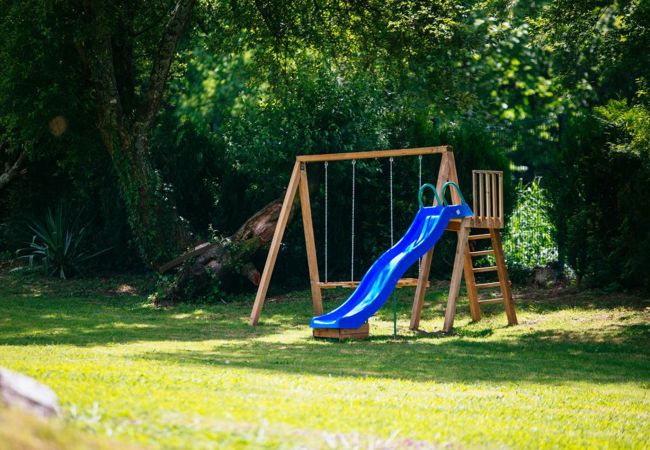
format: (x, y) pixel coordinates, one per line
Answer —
(298, 184)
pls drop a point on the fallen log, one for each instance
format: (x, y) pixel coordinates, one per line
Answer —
(199, 249)
(232, 256)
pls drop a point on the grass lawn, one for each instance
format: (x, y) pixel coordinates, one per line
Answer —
(574, 374)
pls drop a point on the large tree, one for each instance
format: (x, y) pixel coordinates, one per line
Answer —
(110, 60)
(127, 102)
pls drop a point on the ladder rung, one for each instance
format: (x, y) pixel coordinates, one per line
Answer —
(491, 300)
(482, 252)
(484, 269)
(477, 237)
(488, 285)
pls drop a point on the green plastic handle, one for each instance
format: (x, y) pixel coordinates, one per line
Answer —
(421, 191)
(444, 192)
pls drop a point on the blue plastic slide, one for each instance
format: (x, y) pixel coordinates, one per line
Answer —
(379, 282)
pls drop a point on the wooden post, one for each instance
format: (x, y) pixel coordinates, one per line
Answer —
(275, 244)
(420, 290)
(504, 280)
(456, 275)
(310, 242)
(470, 283)
(453, 176)
(447, 166)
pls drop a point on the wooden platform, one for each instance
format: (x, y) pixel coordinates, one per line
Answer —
(343, 333)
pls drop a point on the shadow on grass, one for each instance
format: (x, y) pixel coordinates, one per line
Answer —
(88, 322)
(544, 356)
(533, 359)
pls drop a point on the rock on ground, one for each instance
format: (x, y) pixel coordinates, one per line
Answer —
(17, 390)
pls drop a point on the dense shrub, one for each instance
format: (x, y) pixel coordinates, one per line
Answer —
(601, 202)
(59, 245)
(529, 240)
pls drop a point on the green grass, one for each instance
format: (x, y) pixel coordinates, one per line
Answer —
(21, 430)
(574, 374)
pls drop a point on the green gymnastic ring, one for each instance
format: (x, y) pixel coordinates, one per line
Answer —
(421, 191)
(444, 192)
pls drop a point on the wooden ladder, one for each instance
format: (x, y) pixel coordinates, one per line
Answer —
(503, 283)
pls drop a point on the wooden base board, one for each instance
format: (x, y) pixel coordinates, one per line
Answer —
(343, 333)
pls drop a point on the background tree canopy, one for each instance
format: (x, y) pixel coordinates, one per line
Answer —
(163, 123)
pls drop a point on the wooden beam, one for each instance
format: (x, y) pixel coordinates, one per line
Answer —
(310, 242)
(470, 279)
(474, 192)
(481, 197)
(491, 301)
(482, 252)
(502, 270)
(470, 283)
(275, 244)
(453, 225)
(501, 200)
(478, 237)
(453, 176)
(373, 154)
(456, 275)
(421, 289)
(484, 269)
(495, 207)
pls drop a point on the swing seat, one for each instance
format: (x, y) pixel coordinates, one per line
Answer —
(402, 283)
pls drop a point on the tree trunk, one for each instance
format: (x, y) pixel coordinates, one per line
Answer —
(230, 257)
(107, 54)
(159, 230)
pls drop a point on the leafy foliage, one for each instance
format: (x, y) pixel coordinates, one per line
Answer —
(58, 245)
(529, 241)
(553, 89)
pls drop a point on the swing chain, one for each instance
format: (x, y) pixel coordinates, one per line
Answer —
(354, 163)
(392, 241)
(326, 217)
(419, 184)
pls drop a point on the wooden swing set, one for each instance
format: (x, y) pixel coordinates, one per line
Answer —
(487, 189)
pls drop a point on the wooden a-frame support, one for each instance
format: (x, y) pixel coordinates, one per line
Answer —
(298, 183)
(447, 172)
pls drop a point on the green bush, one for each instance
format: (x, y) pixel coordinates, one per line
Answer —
(600, 191)
(529, 241)
(58, 245)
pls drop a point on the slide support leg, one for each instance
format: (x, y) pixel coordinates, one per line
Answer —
(456, 276)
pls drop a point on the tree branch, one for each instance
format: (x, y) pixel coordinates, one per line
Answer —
(160, 70)
(12, 171)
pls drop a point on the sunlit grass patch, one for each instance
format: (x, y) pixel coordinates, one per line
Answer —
(574, 372)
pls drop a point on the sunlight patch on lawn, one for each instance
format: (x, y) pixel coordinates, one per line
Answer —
(200, 377)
